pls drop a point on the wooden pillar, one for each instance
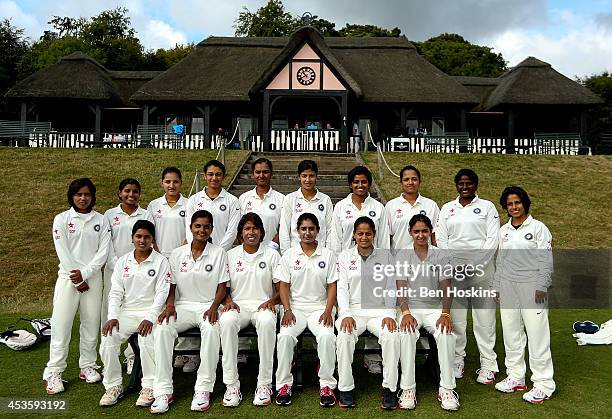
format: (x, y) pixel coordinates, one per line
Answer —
(510, 134)
(584, 127)
(463, 120)
(98, 134)
(266, 122)
(145, 115)
(403, 117)
(344, 128)
(207, 126)
(24, 112)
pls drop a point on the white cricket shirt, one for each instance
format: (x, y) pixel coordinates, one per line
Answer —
(307, 275)
(140, 286)
(295, 205)
(121, 225)
(251, 275)
(269, 209)
(345, 214)
(399, 212)
(473, 227)
(197, 280)
(169, 223)
(225, 210)
(525, 253)
(82, 242)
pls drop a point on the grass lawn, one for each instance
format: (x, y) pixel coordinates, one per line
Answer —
(580, 374)
(570, 194)
(33, 191)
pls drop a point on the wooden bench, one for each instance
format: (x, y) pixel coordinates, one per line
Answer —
(18, 132)
(298, 369)
(148, 136)
(449, 142)
(559, 143)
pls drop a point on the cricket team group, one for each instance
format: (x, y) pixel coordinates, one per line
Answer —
(286, 263)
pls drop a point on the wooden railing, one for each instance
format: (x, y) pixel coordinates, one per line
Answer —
(305, 140)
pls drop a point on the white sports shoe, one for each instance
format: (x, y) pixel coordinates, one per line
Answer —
(449, 399)
(407, 399)
(180, 361)
(201, 401)
(373, 366)
(130, 365)
(55, 383)
(192, 363)
(162, 403)
(263, 396)
(485, 376)
(111, 396)
(232, 396)
(535, 396)
(458, 369)
(145, 398)
(90, 375)
(510, 385)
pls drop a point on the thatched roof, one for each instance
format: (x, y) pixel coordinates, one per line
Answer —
(478, 86)
(534, 82)
(234, 69)
(75, 76)
(128, 82)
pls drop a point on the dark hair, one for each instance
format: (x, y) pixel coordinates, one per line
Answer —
(201, 214)
(420, 217)
(308, 165)
(308, 216)
(129, 181)
(469, 173)
(515, 190)
(77, 184)
(215, 163)
(145, 225)
(255, 219)
(359, 170)
(410, 167)
(364, 220)
(172, 169)
(261, 160)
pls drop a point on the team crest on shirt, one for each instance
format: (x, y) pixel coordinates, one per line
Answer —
(239, 267)
(528, 236)
(71, 228)
(372, 213)
(505, 238)
(262, 265)
(297, 265)
(322, 265)
(353, 265)
(184, 267)
(116, 221)
(423, 212)
(477, 210)
(182, 213)
(298, 207)
(272, 207)
(349, 214)
(97, 227)
(208, 267)
(126, 271)
(222, 207)
(398, 213)
(151, 272)
(158, 213)
(321, 207)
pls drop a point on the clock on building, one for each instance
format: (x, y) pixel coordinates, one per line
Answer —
(306, 76)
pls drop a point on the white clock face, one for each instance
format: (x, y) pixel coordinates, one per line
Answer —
(306, 76)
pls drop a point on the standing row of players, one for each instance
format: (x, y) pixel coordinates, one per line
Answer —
(82, 244)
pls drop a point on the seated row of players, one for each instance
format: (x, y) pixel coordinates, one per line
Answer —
(78, 288)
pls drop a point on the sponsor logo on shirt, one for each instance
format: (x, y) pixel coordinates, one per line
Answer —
(239, 267)
(71, 228)
(353, 265)
(372, 213)
(272, 207)
(151, 272)
(126, 271)
(505, 238)
(349, 214)
(477, 210)
(298, 207)
(116, 221)
(249, 206)
(159, 213)
(200, 204)
(208, 267)
(321, 207)
(528, 236)
(398, 213)
(322, 265)
(97, 227)
(184, 267)
(296, 266)
(262, 264)
(168, 276)
(222, 207)
(452, 212)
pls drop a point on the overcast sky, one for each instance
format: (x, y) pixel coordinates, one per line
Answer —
(574, 36)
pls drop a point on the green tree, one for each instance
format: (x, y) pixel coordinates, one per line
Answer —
(162, 59)
(369, 30)
(600, 84)
(269, 20)
(454, 55)
(13, 45)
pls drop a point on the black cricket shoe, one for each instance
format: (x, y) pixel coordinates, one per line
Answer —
(283, 397)
(328, 398)
(346, 399)
(389, 399)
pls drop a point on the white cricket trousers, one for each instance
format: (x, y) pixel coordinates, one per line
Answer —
(445, 342)
(129, 320)
(326, 347)
(389, 342)
(187, 316)
(231, 323)
(483, 320)
(66, 301)
(108, 273)
(525, 322)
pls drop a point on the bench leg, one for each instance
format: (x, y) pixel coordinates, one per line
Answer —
(431, 362)
(298, 377)
(136, 376)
